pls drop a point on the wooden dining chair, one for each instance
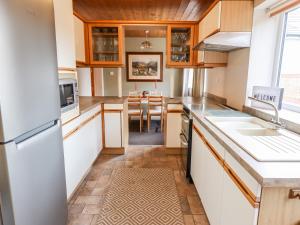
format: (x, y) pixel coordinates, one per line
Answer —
(135, 109)
(155, 108)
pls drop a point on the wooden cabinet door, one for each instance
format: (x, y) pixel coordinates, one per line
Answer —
(80, 151)
(64, 30)
(212, 59)
(106, 44)
(180, 42)
(236, 209)
(211, 23)
(79, 40)
(196, 162)
(113, 129)
(212, 185)
(173, 124)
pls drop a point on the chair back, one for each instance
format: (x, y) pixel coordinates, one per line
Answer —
(135, 102)
(155, 102)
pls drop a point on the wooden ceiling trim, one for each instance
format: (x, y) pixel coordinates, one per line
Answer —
(79, 16)
(204, 14)
(141, 22)
(148, 10)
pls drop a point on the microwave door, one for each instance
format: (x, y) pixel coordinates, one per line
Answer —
(67, 96)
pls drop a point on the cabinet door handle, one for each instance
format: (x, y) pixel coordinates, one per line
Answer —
(294, 193)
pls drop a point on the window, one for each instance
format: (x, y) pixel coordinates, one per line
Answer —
(289, 71)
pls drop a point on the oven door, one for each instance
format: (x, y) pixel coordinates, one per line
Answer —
(68, 94)
(185, 123)
(184, 151)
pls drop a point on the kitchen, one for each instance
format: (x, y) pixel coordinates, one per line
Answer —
(149, 112)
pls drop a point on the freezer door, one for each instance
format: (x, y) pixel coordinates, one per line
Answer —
(32, 184)
(29, 94)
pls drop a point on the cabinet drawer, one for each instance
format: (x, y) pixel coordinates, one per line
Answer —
(66, 128)
(210, 139)
(211, 23)
(113, 106)
(175, 107)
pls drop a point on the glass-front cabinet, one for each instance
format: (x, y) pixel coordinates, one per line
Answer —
(106, 44)
(180, 40)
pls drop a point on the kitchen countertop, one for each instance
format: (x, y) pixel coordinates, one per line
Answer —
(88, 102)
(268, 174)
(181, 100)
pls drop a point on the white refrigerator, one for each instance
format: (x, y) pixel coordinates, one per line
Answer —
(32, 174)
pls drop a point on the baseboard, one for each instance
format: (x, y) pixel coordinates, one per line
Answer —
(173, 151)
(113, 151)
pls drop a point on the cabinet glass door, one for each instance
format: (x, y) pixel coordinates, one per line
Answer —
(181, 45)
(105, 44)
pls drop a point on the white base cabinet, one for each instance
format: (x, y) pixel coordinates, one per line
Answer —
(113, 129)
(173, 125)
(82, 145)
(207, 174)
(217, 185)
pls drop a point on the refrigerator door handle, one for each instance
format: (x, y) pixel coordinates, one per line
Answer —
(34, 132)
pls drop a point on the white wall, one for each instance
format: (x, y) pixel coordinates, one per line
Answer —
(236, 78)
(84, 81)
(215, 80)
(230, 82)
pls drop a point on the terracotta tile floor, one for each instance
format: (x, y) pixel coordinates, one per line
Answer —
(85, 205)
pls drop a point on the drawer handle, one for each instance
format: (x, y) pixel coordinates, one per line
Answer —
(294, 193)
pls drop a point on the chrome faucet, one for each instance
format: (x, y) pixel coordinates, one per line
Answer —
(275, 120)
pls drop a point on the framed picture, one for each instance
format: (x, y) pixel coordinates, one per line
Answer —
(144, 66)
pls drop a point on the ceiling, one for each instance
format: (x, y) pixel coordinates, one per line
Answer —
(146, 10)
(139, 31)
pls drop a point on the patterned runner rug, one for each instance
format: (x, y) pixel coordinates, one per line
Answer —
(141, 196)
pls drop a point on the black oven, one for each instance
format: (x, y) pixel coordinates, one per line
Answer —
(186, 141)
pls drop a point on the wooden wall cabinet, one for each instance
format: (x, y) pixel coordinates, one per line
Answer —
(79, 28)
(227, 19)
(106, 44)
(227, 16)
(208, 59)
(65, 38)
(180, 42)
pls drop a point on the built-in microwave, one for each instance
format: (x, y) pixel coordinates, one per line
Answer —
(69, 98)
